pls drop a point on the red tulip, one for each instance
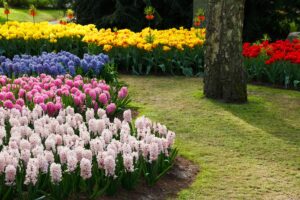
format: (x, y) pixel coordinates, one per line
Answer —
(149, 17)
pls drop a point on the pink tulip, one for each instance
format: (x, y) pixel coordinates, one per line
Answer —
(20, 102)
(58, 106)
(2, 96)
(10, 96)
(21, 93)
(38, 99)
(77, 100)
(105, 87)
(17, 106)
(78, 77)
(103, 98)
(44, 107)
(93, 94)
(51, 109)
(8, 104)
(2, 81)
(69, 83)
(58, 82)
(74, 90)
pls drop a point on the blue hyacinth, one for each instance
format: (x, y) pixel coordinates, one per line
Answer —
(53, 64)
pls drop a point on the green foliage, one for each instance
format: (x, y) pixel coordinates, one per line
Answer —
(130, 13)
(188, 62)
(18, 14)
(37, 3)
(279, 73)
(270, 16)
(9, 48)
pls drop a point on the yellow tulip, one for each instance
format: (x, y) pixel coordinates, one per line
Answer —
(175, 38)
(107, 47)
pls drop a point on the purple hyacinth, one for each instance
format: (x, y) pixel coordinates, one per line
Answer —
(53, 64)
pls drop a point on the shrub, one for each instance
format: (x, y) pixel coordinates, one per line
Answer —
(272, 17)
(129, 13)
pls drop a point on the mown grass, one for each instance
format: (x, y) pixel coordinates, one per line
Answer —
(249, 151)
(22, 15)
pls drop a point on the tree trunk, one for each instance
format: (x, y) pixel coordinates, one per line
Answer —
(225, 76)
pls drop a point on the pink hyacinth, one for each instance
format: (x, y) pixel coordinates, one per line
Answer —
(32, 172)
(128, 162)
(85, 168)
(72, 163)
(2, 162)
(153, 150)
(111, 108)
(10, 174)
(170, 138)
(127, 116)
(55, 173)
(109, 165)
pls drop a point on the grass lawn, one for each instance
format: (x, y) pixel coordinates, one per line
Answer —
(22, 15)
(249, 151)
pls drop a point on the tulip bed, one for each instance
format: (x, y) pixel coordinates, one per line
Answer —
(277, 63)
(172, 51)
(57, 157)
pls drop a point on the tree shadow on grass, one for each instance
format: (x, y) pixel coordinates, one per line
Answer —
(264, 115)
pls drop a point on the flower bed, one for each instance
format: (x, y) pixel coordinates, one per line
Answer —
(276, 63)
(58, 157)
(52, 94)
(173, 51)
(93, 66)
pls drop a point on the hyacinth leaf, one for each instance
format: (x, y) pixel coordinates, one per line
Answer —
(170, 162)
(99, 192)
(7, 194)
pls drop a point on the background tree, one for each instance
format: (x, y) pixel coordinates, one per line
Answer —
(272, 17)
(130, 13)
(225, 77)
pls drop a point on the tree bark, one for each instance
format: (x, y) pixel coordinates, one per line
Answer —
(225, 76)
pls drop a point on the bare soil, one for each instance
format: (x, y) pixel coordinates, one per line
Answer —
(179, 177)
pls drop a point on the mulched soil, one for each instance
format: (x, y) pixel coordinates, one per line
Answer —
(179, 177)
